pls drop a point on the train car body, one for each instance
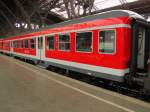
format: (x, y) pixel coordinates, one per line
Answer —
(101, 45)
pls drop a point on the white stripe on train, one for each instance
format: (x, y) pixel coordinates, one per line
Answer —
(106, 70)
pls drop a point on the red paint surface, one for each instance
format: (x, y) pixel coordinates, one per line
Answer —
(1, 44)
(6, 45)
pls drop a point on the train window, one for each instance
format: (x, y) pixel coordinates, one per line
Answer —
(107, 41)
(26, 44)
(21, 43)
(11, 44)
(84, 42)
(64, 42)
(18, 44)
(50, 42)
(32, 43)
(15, 44)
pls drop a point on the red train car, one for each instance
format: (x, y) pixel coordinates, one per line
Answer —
(113, 45)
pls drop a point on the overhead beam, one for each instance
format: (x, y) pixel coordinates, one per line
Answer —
(36, 9)
(9, 22)
(5, 6)
(24, 13)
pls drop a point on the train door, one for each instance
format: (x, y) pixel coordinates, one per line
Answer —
(40, 48)
(141, 48)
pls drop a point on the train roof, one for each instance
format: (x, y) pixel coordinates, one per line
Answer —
(98, 16)
(103, 15)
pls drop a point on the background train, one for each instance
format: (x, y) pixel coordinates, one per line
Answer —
(113, 45)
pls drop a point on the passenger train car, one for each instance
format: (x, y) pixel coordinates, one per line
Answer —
(112, 45)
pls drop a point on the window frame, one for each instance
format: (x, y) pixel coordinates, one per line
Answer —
(21, 44)
(46, 42)
(14, 44)
(34, 40)
(76, 39)
(18, 44)
(25, 44)
(69, 33)
(115, 41)
(11, 44)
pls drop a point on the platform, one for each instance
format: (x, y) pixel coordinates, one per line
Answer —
(27, 88)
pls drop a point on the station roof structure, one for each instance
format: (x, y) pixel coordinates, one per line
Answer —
(18, 16)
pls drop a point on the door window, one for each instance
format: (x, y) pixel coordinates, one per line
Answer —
(141, 47)
(40, 43)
